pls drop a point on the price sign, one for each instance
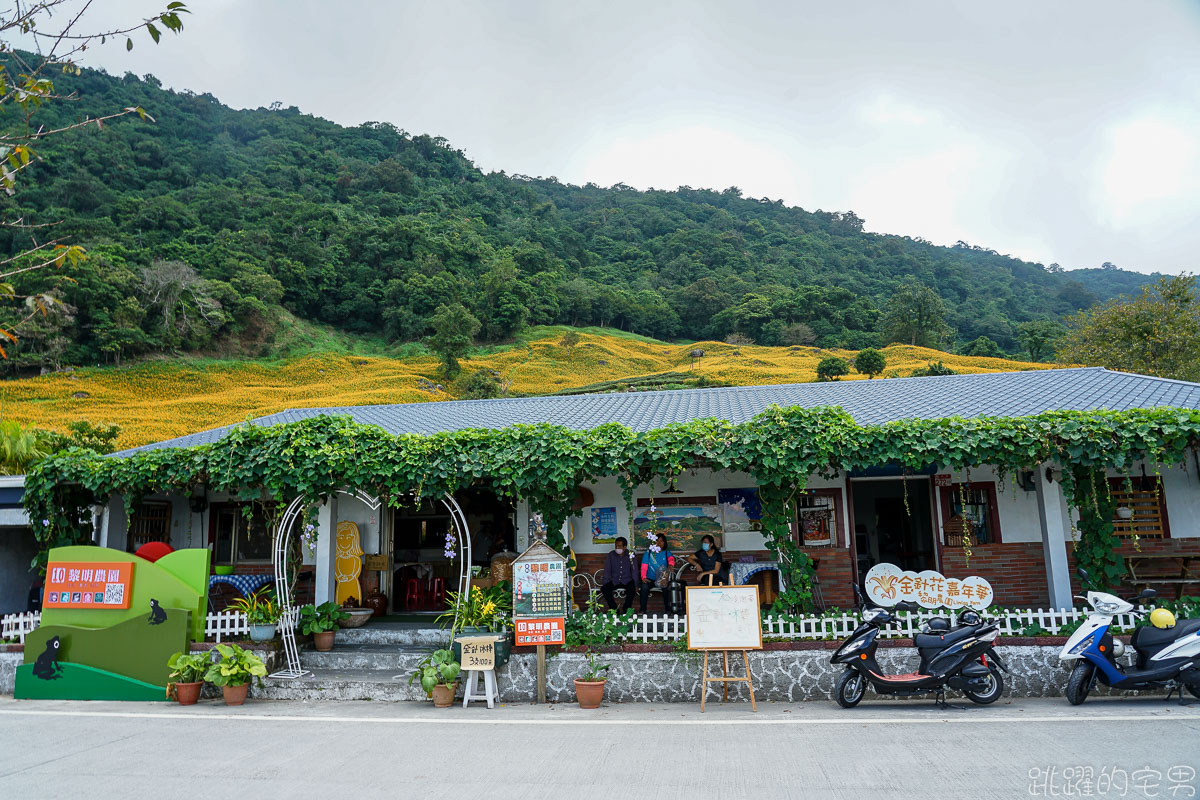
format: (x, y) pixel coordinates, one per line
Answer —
(80, 584)
(478, 652)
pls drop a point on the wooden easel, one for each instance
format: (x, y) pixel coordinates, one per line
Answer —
(725, 678)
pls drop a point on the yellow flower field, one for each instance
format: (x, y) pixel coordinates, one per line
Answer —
(160, 400)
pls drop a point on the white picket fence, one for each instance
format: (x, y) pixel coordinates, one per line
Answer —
(218, 626)
(1013, 622)
(16, 626)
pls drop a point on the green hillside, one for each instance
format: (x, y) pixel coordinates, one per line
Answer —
(207, 224)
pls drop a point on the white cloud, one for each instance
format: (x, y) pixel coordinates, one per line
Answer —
(1152, 164)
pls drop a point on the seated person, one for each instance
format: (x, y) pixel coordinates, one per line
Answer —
(709, 561)
(619, 574)
(657, 563)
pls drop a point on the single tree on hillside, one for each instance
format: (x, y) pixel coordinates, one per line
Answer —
(870, 362)
(454, 331)
(569, 340)
(1039, 337)
(1155, 333)
(983, 347)
(831, 368)
(915, 315)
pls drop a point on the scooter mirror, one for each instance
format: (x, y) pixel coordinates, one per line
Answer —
(1147, 594)
(1081, 572)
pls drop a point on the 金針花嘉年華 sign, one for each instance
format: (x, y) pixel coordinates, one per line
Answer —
(88, 585)
(887, 585)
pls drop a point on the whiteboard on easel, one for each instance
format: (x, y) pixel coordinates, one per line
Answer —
(723, 618)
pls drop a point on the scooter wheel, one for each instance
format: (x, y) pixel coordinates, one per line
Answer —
(1194, 688)
(850, 688)
(1080, 683)
(992, 693)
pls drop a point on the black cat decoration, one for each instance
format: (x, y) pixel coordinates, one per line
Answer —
(158, 614)
(47, 667)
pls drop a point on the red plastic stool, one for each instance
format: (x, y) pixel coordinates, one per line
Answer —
(438, 594)
(412, 594)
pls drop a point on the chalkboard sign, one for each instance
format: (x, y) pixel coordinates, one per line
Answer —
(723, 618)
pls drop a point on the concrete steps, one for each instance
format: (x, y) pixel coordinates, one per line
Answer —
(393, 633)
(365, 657)
(343, 684)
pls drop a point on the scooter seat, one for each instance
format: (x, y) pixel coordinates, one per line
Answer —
(939, 640)
(1150, 638)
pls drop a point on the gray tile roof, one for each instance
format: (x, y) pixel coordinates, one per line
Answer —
(1002, 394)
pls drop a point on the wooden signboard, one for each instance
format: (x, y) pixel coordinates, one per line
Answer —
(724, 618)
(540, 601)
(478, 652)
(381, 562)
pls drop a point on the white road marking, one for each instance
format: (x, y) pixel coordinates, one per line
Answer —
(849, 719)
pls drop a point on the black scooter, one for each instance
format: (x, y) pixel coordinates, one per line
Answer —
(962, 658)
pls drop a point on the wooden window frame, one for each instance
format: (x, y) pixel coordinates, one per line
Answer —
(1142, 484)
(946, 498)
(214, 514)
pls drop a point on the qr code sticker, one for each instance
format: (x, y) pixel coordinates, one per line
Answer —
(114, 593)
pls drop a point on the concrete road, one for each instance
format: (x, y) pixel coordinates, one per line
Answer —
(1134, 747)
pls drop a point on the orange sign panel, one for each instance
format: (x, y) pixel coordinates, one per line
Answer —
(541, 631)
(88, 585)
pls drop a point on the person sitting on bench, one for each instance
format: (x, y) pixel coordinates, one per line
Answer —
(709, 561)
(657, 563)
(619, 574)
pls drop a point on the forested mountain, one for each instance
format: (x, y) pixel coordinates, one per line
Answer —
(202, 224)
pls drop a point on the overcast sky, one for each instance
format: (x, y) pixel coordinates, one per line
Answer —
(1061, 132)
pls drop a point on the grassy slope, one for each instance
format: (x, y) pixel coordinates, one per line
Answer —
(159, 400)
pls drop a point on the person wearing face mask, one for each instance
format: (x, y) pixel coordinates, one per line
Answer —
(619, 574)
(657, 563)
(708, 561)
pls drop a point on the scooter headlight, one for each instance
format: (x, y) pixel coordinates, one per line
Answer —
(1107, 608)
(1083, 645)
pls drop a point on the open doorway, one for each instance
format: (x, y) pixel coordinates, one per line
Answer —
(893, 523)
(422, 573)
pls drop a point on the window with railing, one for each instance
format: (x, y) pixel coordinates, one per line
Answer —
(1141, 507)
(150, 522)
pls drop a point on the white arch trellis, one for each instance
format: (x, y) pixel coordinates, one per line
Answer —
(283, 587)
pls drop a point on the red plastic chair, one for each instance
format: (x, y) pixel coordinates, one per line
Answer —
(412, 594)
(438, 595)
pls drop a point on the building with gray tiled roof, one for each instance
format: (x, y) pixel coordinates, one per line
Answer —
(1001, 394)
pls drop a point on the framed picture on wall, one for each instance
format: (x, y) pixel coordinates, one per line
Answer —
(684, 526)
(816, 517)
(604, 525)
(740, 509)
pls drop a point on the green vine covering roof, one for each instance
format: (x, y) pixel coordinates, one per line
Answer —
(543, 464)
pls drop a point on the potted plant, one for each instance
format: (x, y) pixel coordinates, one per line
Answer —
(189, 670)
(438, 673)
(589, 688)
(234, 671)
(321, 622)
(481, 610)
(262, 614)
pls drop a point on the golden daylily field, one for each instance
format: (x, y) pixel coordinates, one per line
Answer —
(163, 399)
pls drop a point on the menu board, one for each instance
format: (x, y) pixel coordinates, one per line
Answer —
(540, 599)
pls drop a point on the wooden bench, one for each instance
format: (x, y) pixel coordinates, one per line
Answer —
(1179, 579)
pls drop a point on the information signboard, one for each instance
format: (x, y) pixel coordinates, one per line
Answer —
(540, 599)
(79, 584)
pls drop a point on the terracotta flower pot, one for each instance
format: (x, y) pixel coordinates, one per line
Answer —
(235, 695)
(589, 693)
(443, 696)
(186, 694)
(323, 641)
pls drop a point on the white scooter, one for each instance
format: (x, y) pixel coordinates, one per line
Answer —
(1167, 657)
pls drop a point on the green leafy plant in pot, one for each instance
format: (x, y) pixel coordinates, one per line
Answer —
(262, 614)
(233, 671)
(188, 670)
(589, 687)
(438, 673)
(320, 622)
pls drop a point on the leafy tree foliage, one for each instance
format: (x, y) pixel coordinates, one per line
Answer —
(1155, 333)
(983, 347)
(1039, 337)
(915, 315)
(202, 227)
(831, 368)
(933, 369)
(869, 362)
(454, 330)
